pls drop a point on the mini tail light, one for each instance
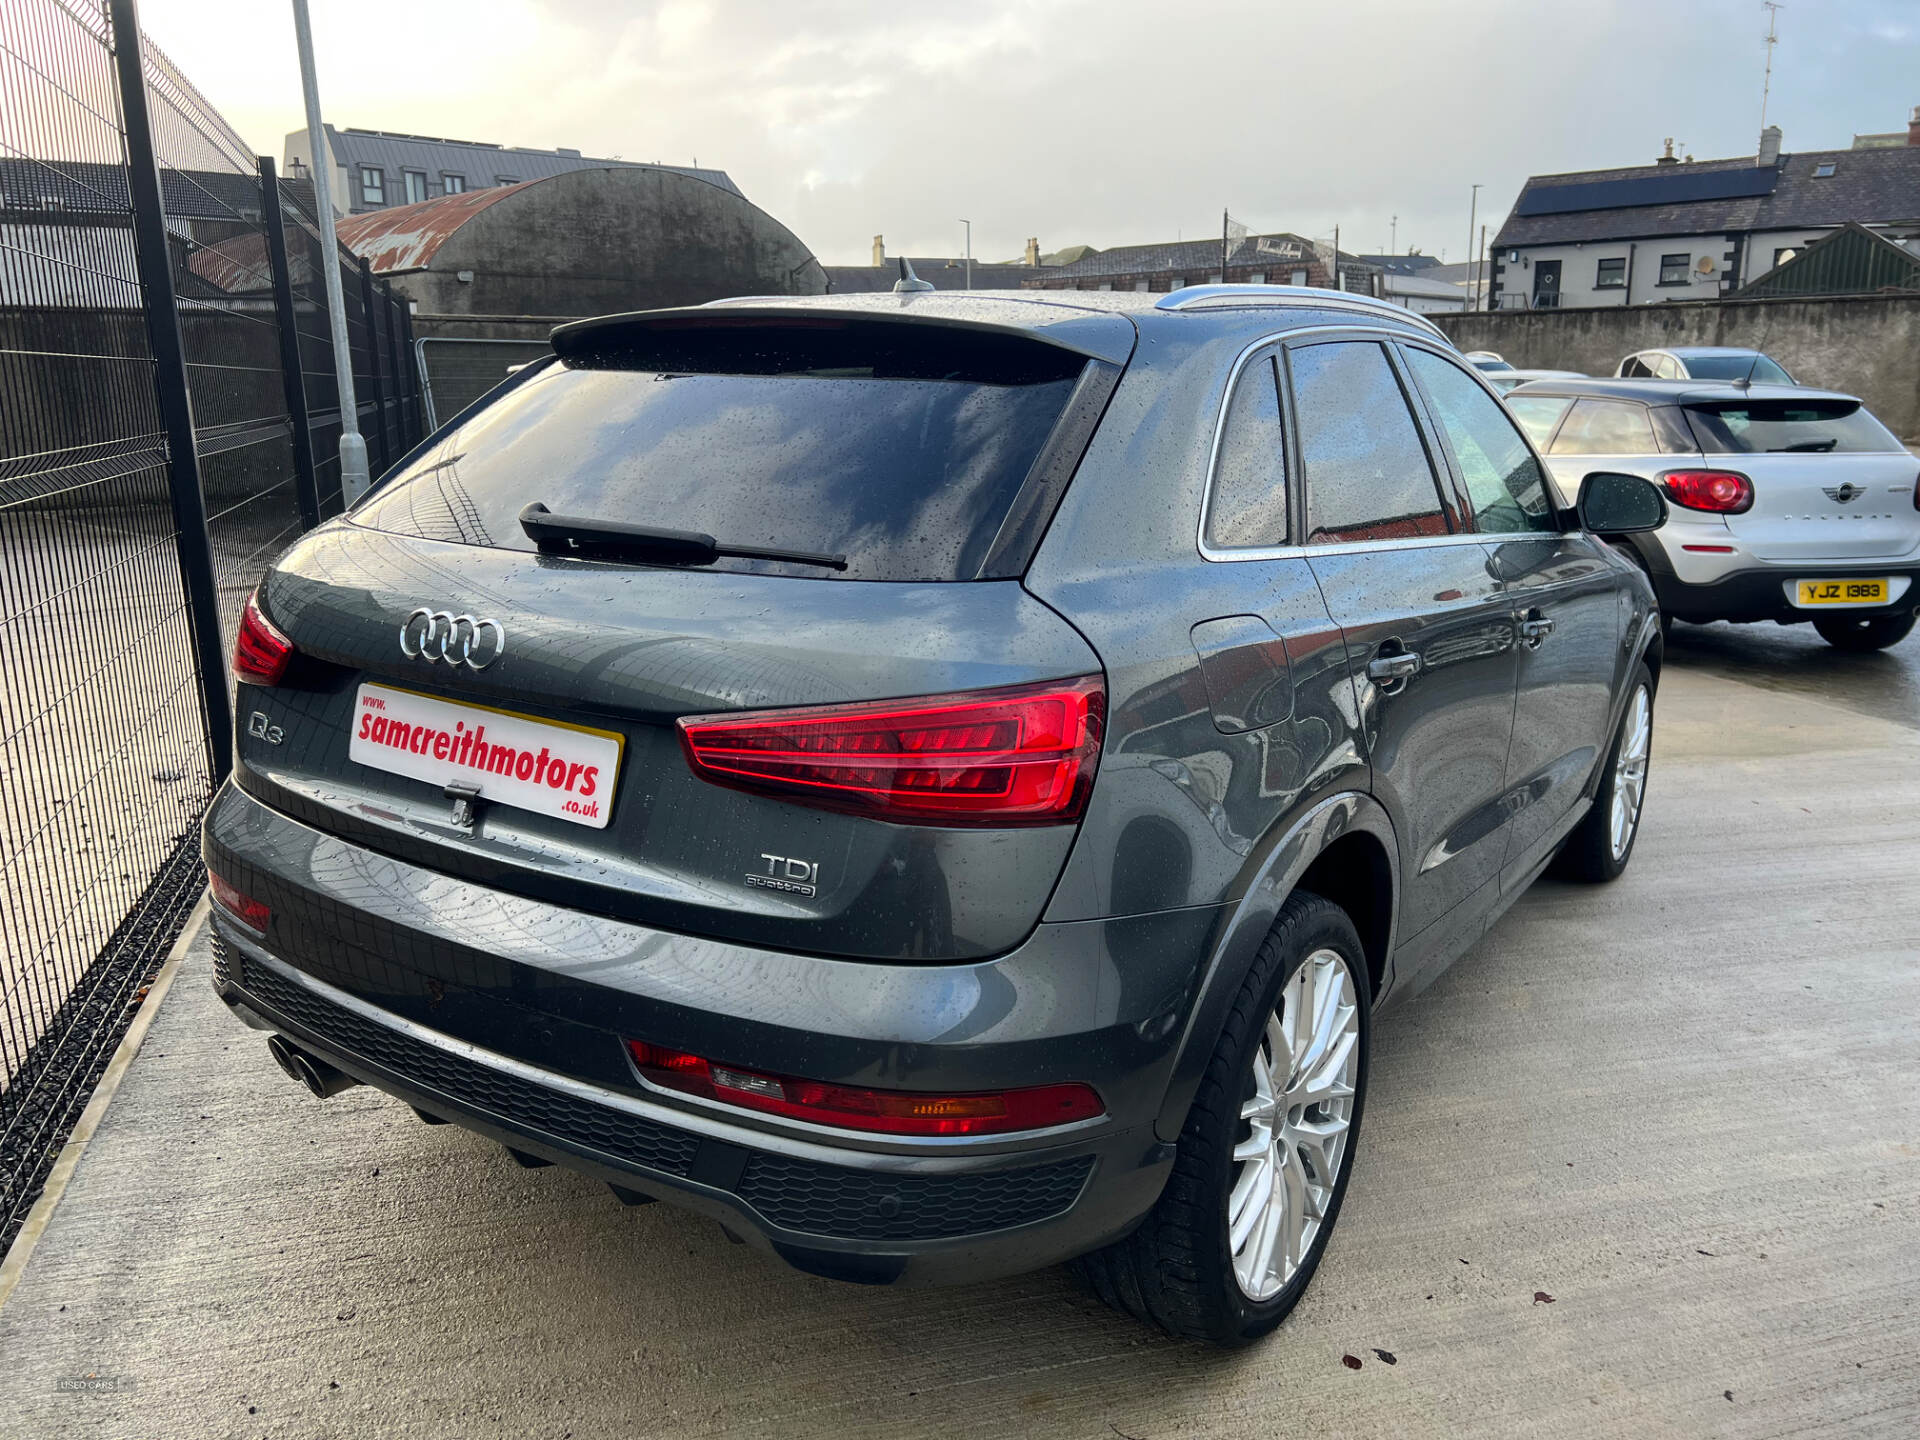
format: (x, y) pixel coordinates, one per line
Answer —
(1719, 492)
(850, 1107)
(248, 911)
(260, 651)
(1025, 755)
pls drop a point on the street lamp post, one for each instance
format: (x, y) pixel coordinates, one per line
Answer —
(1473, 214)
(355, 479)
(969, 225)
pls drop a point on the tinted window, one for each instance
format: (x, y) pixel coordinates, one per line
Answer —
(1735, 367)
(1759, 426)
(1503, 480)
(1248, 505)
(1366, 471)
(1538, 414)
(1606, 427)
(908, 475)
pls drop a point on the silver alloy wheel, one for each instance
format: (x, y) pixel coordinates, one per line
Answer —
(1630, 770)
(1295, 1125)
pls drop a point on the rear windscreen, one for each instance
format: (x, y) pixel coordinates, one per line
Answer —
(902, 453)
(1762, 427)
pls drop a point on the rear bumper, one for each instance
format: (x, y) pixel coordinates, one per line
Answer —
(506, 1016)
(1763, 592)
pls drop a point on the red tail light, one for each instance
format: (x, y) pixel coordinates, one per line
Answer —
(260, 651)
(1019, 756)
(892, 1112)
(250, 912)
(1721, 492)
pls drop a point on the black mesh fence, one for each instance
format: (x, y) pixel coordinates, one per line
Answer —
(123, 561)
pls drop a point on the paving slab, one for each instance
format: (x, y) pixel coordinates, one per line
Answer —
(1647, 1161)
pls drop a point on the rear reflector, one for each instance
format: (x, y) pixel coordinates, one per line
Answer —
(260, 651)
(244, 908)
(891, 1112)
(1709, 549)
(1019, 756)
(1719, 492)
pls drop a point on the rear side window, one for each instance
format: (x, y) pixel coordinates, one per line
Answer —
(1736, 367)
(1247, 506)
(904, 453)
(1366, 470)
(1538, 414)
(1760, 427)
(1606, 427)
(1503, 480)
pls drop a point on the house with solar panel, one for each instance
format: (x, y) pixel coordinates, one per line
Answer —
(1685, 229)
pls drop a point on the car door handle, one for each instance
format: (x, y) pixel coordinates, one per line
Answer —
(1534, 628)
(1400, 666)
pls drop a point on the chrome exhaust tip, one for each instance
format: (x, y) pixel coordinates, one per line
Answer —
(321, 1080)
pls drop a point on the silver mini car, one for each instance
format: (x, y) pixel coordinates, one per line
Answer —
(1789, 504)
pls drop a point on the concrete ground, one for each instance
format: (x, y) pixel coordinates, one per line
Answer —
(1646, 1162)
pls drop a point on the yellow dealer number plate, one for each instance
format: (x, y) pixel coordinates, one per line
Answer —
(1842, 592)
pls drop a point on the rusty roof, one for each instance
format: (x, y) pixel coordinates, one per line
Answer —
(406, 237)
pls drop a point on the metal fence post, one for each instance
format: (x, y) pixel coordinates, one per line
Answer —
(373, 367)
(155, 267)
(390, 311)
(415, 379)
(306, 485)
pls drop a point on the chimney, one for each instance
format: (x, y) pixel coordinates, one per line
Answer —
(879, 250)
(1033, 243)
(1913, 127)
(1769, 146)
(1667, 157)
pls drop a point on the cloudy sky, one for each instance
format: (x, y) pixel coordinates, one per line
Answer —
(1080, 121)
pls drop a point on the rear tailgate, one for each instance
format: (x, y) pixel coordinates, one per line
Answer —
(464, 702)
(1830, 483)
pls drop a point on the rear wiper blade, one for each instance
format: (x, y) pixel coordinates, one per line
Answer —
(586, 538)
(1804, 447)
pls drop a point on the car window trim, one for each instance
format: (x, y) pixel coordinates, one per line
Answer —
(1433, 434)
(1266, 345)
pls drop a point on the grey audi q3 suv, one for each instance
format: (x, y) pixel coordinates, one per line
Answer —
(940, 784)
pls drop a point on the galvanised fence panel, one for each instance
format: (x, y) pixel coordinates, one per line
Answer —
(112, 605)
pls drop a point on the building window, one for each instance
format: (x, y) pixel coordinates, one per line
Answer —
(1824, 170)
(1106, 285)
(1784, 254)
(452, 184)
(1611, 274)
(505, 180)
(1299, 277)
(416, 185)
(1257, 277)
(1174, 282)
(373, 185)
(1674, 268)
(1140, 286)
(1215, 278)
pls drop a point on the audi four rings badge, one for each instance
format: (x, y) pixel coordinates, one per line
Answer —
(452, 639)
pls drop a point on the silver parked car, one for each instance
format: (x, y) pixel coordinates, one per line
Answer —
(1790, 505)
(1704, 362)
(1505, 380)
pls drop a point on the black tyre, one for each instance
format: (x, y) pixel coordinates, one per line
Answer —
(1281, 1098)
(1602, 844)
(1858, 634)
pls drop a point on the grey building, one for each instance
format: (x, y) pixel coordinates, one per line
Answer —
(943, 272)
(1279, 259)
(1681, 229)
(375, 169)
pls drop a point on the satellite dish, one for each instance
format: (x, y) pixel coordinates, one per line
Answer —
(1705, 267)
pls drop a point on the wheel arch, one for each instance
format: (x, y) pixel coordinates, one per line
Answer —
(1346, 844)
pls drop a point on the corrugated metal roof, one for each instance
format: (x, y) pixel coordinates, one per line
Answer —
(406, 237)
(479, 163)
(1851, 261)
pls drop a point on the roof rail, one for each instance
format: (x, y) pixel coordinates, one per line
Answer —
(1195, 297)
